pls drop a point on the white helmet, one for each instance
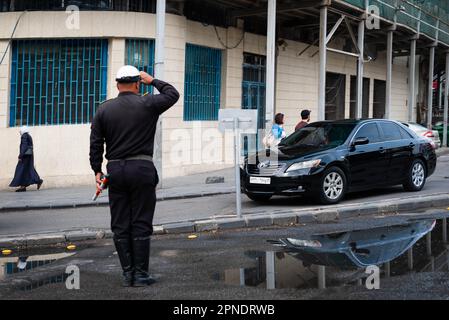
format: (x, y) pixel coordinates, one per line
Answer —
(128, 74)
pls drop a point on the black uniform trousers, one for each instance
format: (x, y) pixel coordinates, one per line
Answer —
(132, 198)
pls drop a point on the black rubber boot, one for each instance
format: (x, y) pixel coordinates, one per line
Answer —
(124, 251)
(141, 257)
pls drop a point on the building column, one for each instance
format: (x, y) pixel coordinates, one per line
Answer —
(360, 69)
(412, 81)
(271, 62)
(446, 102)
(5, 81)
(116, 61)
(159, 68)
(323, 65)
(430, 87)
(389, 74)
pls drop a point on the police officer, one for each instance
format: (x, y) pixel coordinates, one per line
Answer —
(127, 125)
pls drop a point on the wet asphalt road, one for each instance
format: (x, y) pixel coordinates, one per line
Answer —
(192, 269)
(201, 208)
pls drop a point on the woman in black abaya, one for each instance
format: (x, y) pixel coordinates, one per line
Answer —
(26, 174)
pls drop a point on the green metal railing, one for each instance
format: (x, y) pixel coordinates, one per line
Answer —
(56, 82)
(429, 17)
(140, 54)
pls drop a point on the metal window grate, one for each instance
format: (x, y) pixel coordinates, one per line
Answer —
(56, 82)
(100, 5)
(253, 97)
(202, 83)
(140, 53)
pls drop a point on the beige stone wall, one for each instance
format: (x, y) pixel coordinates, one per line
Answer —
(4, 84)
(62, 151)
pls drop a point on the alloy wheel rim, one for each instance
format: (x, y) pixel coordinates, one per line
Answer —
(418, 175)
(333, 186)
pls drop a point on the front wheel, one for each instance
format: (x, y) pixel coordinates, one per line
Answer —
(417, 176)
(333, 186)
(259, 197)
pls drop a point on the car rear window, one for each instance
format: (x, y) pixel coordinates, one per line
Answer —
(406, 134)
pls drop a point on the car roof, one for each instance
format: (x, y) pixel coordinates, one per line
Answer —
(355, 121)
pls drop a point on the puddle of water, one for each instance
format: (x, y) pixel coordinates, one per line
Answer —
(341, 259)
(22, 263)
(52, 280)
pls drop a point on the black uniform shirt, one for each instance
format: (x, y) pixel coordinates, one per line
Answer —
(128, 124)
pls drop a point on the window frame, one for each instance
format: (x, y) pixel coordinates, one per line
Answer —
(54, 71)
(365, 125)
(206, 108)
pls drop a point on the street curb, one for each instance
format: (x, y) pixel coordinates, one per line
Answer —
(280, 218)
(442, 152)
(104, 202)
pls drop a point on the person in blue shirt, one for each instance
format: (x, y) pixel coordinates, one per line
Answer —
(278, 130)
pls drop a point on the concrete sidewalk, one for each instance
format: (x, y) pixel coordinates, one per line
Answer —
(173, 189)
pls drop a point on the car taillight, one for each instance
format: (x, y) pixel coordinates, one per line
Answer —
(429, 134)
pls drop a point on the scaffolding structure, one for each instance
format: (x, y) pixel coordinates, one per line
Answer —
(429, 18)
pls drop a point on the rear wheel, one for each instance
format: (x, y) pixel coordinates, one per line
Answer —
(417, 176)
(333, 186)
(259, 197)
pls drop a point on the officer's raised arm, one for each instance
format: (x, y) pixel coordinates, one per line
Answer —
(168, 94)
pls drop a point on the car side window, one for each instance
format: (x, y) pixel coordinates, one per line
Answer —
(405, 134)
(370, 131)
(392, 132)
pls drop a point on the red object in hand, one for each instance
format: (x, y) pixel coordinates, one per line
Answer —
(104, 185)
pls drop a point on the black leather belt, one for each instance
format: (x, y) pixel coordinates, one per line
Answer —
(135, 158)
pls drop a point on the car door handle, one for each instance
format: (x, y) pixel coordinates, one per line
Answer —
(382, 150)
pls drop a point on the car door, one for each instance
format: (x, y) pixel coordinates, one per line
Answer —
(399, 147)
(367, 163)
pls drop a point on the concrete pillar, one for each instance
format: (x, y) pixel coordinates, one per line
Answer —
(429, 244)
(410, 259)
(388, 269)
(271, 62)
(360, 69)
(446, 103)
(321, 277)
(116, 61)
(159, 66)
(323, 65)
(430, 87)
(371, 98)
(412, 81)
(389, 74)
(5, 74)
(159, 71)
(444, 222)
(271, 271)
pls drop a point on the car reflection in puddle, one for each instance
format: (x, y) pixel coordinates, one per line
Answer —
(10, 266)
(340, 259)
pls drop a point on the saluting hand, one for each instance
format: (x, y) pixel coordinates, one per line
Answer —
(146, 78)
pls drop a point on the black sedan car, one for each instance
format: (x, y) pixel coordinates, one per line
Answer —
(327, 160)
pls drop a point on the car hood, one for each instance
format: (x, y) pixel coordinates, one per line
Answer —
(361, 248)
(284, 153)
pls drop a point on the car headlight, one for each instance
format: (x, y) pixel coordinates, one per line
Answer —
(305, 243)
(304, 165)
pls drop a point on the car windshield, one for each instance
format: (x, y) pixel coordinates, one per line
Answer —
(320, 135)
